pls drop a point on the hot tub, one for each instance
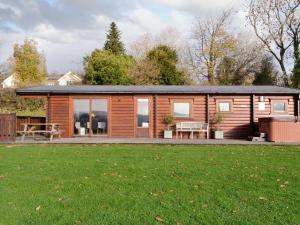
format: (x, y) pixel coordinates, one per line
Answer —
(281, 128)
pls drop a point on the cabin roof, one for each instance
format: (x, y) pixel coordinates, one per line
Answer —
(159, 89)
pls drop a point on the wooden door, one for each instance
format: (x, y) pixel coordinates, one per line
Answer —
(143, 117)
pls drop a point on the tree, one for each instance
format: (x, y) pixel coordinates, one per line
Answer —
(103, 67)
(30, 66)
(113, 41)
(296, 75)
(165, 58)
(226, 71)
(271, 20)
(266, 74)
(212, 44)
(144, 72)
(239, 65)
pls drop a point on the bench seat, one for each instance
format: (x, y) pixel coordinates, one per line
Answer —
(192, 127)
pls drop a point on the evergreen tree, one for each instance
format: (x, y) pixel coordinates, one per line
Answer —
(265, 76)
(296, 75)
(113, 41)
(165, 58)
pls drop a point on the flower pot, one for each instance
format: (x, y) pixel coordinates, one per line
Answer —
(168, 134)
(219, 134)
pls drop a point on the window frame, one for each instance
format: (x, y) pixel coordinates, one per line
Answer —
(224, 101)
(189, 101)
(286, 104)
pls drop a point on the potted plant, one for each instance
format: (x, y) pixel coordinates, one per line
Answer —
(218, 133)
(169, 119)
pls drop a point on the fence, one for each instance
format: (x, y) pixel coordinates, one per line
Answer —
(7, 127)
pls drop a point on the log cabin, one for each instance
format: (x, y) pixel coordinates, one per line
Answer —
(139, 111)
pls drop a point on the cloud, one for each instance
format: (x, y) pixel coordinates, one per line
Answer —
(67, 30)
(50, 33)
(199, 6)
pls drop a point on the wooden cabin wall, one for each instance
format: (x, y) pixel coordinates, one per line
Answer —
(122, 116)
(235, 124)
(268, 100)
(59, 112)
(164, 108)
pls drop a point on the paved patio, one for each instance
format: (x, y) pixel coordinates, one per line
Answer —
(103, 140)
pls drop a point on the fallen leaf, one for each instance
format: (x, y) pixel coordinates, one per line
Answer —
(262, 198)
(157, 218)
(38, 208)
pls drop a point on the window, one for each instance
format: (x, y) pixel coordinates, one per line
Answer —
(182, 109)
(279, 106)
(143, 113)
(224, 106)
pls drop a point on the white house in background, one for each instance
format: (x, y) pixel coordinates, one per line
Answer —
(9, 82)
(67, 79)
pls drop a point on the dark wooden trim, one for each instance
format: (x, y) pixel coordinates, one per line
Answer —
(252, 113)
(207, 109)
(155, 115)
(296, 105)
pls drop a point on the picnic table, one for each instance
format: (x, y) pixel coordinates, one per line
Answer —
(51, 129)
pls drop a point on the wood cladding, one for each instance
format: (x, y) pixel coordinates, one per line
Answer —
(123, 119)
(58, 112)
(122, 115)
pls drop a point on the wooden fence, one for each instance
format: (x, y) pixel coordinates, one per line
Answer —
(7, 127)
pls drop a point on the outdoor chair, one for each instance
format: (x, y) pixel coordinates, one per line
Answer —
(77, 127)
(101, 127)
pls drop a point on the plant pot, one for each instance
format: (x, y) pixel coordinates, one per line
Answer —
(219, 134)
(168, 134)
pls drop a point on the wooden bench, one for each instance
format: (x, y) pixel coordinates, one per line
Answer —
(30, 129)
(192, 127)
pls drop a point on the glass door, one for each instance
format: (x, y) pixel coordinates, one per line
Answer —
(99, 116)
(81, 117)
(143, 117)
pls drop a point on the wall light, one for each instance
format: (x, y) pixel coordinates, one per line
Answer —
(261, 98)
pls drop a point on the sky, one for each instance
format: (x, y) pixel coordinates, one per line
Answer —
(68, 30)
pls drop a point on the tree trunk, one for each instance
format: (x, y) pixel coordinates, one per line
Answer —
(284, 73)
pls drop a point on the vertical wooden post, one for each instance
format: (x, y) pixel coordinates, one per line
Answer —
(207, 114)
(296, 106)
(252, 113)
(155, 115)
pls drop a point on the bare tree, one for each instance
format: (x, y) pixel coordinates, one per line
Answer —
(144, 72)
(272, 20)
(294, 25)
(212, 42)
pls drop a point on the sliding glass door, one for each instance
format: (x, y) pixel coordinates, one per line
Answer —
(90, 117)
(81, 117)
(99, 116)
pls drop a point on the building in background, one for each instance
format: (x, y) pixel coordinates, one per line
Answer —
(69, 78)
(9, 82)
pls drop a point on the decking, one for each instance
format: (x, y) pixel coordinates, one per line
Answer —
(90, 140)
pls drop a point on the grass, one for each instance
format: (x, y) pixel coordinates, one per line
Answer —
(149, 184)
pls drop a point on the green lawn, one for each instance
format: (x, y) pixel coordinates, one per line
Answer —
(149, 184)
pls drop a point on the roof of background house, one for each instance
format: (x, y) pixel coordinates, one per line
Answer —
(59, 76)
(159, 89)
